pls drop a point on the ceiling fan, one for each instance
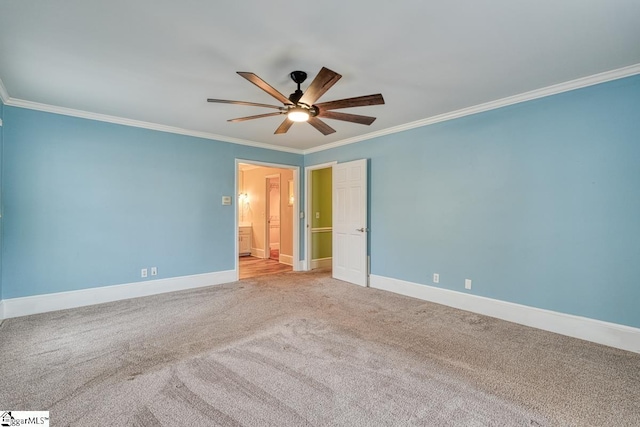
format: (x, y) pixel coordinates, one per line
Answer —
(300, 107)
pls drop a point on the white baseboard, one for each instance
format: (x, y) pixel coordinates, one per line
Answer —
(321, 263)
(16, 307)
(258, 253)
(611, 334)
(1, 310)
(302, 265)
(274, 246)
(286, 259)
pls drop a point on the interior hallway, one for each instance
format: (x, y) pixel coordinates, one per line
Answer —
(252, 267)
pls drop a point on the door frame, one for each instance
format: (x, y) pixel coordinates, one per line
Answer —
(296, 209)
(308, 215)
(267, 216)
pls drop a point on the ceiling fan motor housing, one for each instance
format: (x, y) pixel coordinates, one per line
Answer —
(295, 96)
(311, 110)
(298, 77)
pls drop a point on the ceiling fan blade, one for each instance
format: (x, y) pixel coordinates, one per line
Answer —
(250, 104)
(358, 101)
(259, 116)
(322, 83)
(324, 128)
(284, 127)
(265, 86)
(354, 118)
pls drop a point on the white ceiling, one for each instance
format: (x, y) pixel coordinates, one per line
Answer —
(158, 61)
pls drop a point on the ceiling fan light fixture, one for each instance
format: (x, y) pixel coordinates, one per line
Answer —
(298, 114)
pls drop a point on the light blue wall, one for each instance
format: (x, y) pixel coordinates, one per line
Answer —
(1, 220)
(89, 204)
(538, 203)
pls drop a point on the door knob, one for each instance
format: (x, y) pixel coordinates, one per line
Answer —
(362, 230)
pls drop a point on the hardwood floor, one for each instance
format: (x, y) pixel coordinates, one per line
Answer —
(251, 267)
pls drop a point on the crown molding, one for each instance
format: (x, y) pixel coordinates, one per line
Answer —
(13, 102)
(491, 105)
(4, 95)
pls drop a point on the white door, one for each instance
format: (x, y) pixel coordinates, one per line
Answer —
(350, 222)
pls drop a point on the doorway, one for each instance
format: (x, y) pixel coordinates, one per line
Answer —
(273, 202)
(319, 214)
(267, 218)
(349, 221)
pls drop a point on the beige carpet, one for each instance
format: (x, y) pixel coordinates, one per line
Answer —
(299, 349)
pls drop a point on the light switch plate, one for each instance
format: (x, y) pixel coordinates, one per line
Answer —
(226, 200)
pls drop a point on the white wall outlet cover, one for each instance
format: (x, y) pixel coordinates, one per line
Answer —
(436, 278)
(226, 200)
(154, 271)
(143, 272)
(467, 283)
(317, 215)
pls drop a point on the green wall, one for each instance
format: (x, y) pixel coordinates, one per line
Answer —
(321, 202)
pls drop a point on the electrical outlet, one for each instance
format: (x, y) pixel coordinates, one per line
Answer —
(317, 215)
(154, 271)
(143, 272)
(436, 278)
(467, 283)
